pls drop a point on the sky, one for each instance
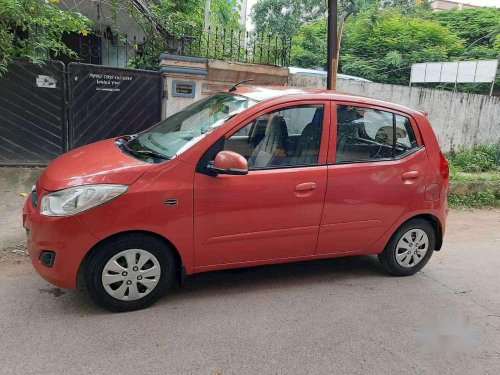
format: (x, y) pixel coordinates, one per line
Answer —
(249, 23)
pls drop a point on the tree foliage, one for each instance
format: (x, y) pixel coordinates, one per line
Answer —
(309, 45)
(176, 14)
(225, 13)
(478, 27)
(391, 42)
(33, 29)
(183, 19)
(379, 45)
(474, 25)
(285, 17)
(386, 37)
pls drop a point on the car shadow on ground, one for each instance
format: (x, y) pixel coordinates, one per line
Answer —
(215, 284)
(278, 276)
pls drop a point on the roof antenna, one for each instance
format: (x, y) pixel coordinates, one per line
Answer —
(239, 83)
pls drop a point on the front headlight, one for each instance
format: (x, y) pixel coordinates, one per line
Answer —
(74, 200)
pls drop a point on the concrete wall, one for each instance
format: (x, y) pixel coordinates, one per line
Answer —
(209, 77)
(458, 119)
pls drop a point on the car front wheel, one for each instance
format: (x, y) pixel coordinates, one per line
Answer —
(129, 273)
(409, 249)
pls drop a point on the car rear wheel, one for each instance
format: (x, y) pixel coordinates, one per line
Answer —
(409, 249)
(129, 273)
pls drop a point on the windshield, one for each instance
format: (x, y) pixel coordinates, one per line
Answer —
(182, 130)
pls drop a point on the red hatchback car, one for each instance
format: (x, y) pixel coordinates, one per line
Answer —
(254, 176)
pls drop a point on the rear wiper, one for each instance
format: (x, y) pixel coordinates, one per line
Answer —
(151, 153)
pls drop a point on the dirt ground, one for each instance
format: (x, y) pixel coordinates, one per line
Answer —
(14, 183)
(322, 317)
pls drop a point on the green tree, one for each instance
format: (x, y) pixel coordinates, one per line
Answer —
(393, 42)
(225, 13)
(184, 20)
(379, 44)
(174, 15)
(309, 45)
(189, 14)
(178, 18)
(478, 27)
(475, 25)
(285, 17)
(33, 29)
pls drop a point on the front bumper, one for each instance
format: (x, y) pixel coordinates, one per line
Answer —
(67, 237)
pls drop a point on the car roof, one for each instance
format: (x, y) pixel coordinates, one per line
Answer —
(264, 93)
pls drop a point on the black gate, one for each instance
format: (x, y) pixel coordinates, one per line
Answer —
(107, 102)
(32, 113)
(48, 109)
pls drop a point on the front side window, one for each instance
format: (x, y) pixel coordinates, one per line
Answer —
(285, 138)
(182, 130)
(366, 134)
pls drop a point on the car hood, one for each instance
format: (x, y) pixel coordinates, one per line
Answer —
(98, 163)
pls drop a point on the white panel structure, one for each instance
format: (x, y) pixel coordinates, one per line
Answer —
(433, 72)
(466, 71)
(483, 71)
(418, 72)
(486, 71)
(449, 72)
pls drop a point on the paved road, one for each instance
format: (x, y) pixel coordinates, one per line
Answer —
(340, 316)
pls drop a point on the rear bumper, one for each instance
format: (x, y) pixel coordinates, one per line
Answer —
(65, 236)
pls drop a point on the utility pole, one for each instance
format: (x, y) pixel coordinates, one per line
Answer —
(331, 80)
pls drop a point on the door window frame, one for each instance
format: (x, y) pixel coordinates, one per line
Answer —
(332, 151)
(325, 134)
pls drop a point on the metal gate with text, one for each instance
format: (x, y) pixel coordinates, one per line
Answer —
(46, 110)
(107, 102)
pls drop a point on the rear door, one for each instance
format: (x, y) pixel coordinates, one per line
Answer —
(376, 167)
(274, 212)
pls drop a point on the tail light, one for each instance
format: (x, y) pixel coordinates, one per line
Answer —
(444, 169)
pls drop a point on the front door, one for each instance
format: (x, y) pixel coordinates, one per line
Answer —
(274, 212)
(374, 175)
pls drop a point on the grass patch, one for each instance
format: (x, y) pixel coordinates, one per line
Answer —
(465, 177)
(486, 198)
(477, 168)
(481, 158)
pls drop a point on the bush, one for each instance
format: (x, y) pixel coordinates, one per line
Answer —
(480, 158)
(485, 198)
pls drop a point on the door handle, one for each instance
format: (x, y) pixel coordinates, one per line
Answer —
(410, 175)
(305, 186)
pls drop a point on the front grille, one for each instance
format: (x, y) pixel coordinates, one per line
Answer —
(34, 197)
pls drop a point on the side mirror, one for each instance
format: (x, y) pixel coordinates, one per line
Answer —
(228, 162)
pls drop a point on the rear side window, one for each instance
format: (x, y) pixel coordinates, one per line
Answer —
(405, 137)
(366, 134)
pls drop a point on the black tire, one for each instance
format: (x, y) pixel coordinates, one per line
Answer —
(104, 252)
(388, 256)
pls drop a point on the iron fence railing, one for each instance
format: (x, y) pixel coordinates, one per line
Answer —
(232, 45)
